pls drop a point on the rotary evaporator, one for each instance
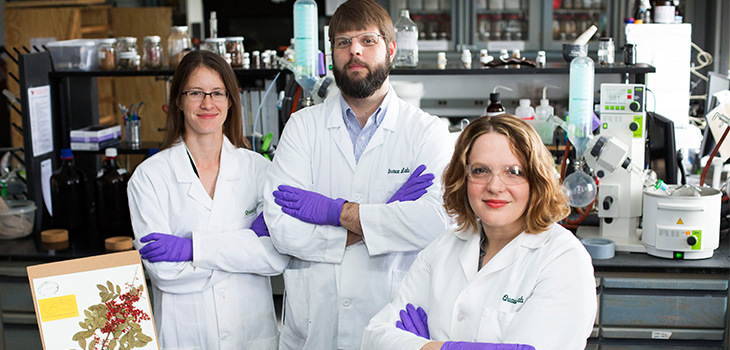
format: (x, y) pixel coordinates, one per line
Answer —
(679, 222)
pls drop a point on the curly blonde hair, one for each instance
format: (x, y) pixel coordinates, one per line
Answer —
(548, 203)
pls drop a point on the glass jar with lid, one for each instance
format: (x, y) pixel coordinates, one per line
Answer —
(234, 46)
(151, 52)
(107, 54)
(127, 53)
(217, 45)
(606, 50)
(177, 45)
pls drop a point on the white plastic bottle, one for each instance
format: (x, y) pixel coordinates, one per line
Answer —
(524, 110)
(580, 103)
(541, 124)
(406, 41)
(306, 44)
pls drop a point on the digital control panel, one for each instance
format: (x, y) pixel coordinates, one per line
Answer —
(678, 238)
(622, 98)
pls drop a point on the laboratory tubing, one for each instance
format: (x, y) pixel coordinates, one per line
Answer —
(406, 41)
(306, 45)
(151, 52)
(68, 199)
(126, 48)
(580, 103)
(466, 59)
(107, 54)
(177, 45)
(606, 51)
(441, 60)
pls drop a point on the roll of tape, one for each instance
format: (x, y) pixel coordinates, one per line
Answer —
(118, 243)
(600, 248)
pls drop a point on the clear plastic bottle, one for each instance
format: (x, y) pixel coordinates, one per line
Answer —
(306, 40)
(406, 41)
(580, 102)
(177, 45)
(68, 197)
(112, 206)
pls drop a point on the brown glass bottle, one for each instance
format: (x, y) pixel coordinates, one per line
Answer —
(495, 106)
(68, 198)
(112, 206)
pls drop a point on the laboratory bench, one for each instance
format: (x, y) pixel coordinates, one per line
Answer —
(644, 302)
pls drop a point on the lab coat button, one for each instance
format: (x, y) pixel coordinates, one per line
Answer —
(460, 317)
(222, 292)
(224, 336)
(346, 303)
(356, 197)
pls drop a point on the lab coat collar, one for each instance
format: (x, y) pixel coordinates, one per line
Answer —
(333, 108)
(224, 186)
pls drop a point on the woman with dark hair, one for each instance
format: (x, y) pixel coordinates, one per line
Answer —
(195, 208)
(508, 277)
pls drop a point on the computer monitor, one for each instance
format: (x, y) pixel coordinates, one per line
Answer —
(715, 83)
(661, 150)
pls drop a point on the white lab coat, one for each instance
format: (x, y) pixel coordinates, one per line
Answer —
(538, 290)
(222, 299)
(333, 291)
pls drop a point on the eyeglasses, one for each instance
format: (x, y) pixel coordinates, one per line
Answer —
(482, 174)
(365, 40)
(199, 96)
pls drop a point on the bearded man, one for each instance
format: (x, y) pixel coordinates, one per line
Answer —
(354, 192)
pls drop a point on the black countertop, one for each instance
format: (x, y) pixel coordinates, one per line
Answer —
(29, 249)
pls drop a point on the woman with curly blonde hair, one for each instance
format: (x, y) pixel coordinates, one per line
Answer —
(508, 277)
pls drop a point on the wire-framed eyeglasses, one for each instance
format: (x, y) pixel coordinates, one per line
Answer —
(509, 175)
(199, 96)
(365, 40)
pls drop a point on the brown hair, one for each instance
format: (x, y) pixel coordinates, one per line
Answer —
(360, 14)
(175, 126)
(548, 203)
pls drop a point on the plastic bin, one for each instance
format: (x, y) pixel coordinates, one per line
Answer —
(77, 54)
(17, 220)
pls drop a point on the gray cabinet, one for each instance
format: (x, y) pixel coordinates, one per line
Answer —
(662, 311)
(19, 329)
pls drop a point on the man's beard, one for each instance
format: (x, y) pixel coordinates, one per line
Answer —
(366, 86)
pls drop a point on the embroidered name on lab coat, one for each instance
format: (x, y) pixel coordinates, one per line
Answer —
(250, 211)
(401, 171)
(511, 300)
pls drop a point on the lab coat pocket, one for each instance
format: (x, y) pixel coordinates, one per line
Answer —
(495, 322)
(295, 321)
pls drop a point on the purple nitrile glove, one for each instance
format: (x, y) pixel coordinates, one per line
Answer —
(309, 206)
(414, 187)
(460, 345)
(166, 248)
(414, 320)
(259, 226)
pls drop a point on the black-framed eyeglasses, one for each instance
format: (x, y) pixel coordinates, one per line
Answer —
(198, 96)
(482, 174)
(365, 40)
